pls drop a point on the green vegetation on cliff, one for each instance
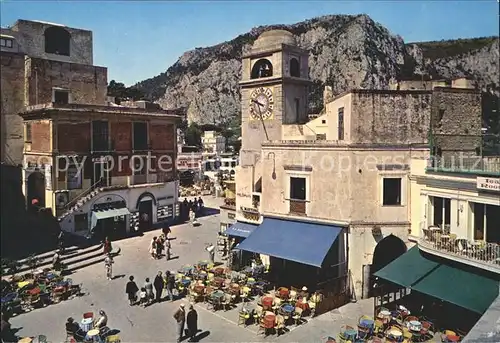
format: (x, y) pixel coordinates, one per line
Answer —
(451, 48)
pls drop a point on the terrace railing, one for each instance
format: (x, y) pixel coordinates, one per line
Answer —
(477, 253)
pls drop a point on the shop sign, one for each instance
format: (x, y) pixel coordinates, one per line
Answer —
(488, 184)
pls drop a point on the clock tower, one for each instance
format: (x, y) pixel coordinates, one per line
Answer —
(274, 88)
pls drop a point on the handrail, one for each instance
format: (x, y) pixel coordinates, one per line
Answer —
(79, 196)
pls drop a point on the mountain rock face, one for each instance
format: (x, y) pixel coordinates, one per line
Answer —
(345, 52)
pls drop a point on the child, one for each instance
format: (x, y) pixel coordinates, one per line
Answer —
(143, 297)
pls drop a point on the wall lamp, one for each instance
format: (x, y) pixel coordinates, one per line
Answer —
(273, 175)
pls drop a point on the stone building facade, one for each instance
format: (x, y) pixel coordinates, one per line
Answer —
(49, 78)
(349, 167)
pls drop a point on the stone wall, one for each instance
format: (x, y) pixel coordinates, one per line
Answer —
(41, 137)
(87, 84)
(30, 36)
(162, 136)
(12, 102)
(390, 117)
(73, 138)
(456, 120)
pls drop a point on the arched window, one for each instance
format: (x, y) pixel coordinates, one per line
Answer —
(57, 41)
(262, 68)
(294, 68)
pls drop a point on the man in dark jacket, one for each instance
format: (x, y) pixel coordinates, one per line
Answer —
(180, 318)
(158, 283)
(131, 289)
(170, 285)
(192, 323)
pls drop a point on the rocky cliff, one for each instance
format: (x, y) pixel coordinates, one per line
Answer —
(345, 52)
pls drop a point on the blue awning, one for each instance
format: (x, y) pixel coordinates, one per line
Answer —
(302, 242)
(240, 229)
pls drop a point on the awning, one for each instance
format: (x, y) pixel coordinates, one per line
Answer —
(461, 287)
(408, 268)
(240, 229)
(453, 283)
(301, 242)
(111, 213)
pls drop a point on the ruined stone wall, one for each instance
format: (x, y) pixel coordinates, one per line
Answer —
(12, 102)
(87, 84)
(456, 120)
(390, 117)
(30, 36)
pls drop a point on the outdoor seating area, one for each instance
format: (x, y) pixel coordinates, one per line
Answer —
(254, 300)
(441, 239)
(35, 290)
(90, 329)
(396, 326)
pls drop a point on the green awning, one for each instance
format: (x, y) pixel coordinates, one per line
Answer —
(111, 213)
(460, 287)
(407, 269)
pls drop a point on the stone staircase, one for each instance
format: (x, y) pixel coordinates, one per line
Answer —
(74, 258)
(79, 202)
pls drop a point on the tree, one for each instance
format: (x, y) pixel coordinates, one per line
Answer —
(121, 92)
(193, 135)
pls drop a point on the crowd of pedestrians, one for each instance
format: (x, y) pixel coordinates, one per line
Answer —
(191, 209)
(145, 296)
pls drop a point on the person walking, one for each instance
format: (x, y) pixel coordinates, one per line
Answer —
(170, 278)
(180, 317)
(158, 283)
(192, 323)
(149, 290)
(108, 263)
(168, 249)
(152, 248)
(131, 289)
(211, 253)
(201, 205)
(107, 246)
(192, 216)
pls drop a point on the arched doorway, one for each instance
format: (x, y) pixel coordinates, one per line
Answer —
(386, 251)
(36, 190)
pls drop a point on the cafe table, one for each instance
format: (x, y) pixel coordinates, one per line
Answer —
(186, 269)
(203, 264)
(93, 336)
(287, 308)
(87, 324)
(414, 325)
(267, 302)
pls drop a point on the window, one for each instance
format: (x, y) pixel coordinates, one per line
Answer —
(57, 41)
(74, 178)
(341, 123)
(81, 222)
(28, 132)
(262, 68)
(479, 215)
(442, 212)
(100, 135)
(233, 164)
(294, 67)
(297, 107)
(61, 96)
(323, 121)
(391, 191)
(140, 136)
(440, 115)
(6, 43)
(297, 188)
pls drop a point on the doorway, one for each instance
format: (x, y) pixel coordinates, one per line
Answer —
(386, 251)
(145, 215)
(36, 190)
(100, 175)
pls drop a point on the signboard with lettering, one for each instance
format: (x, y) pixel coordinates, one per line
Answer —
(488, 184)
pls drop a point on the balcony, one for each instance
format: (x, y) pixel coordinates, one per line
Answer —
(479, 254)
(230, 204)
(298, 207)
(460, 164)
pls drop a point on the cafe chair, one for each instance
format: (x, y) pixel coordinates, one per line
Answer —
(243, 317)
(226, 302)
(113, 339)
(378, 328)
(280, 325)
(297, 315)
(257, 314)
(276, 304)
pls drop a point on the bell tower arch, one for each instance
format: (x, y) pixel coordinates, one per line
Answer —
(274, 88)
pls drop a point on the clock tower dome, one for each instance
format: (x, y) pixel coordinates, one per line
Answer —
(274, 88)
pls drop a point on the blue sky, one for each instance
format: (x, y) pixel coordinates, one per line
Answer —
(138, 39)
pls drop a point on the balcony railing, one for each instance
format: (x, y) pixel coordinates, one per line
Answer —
(461, 164)
(477, 253)
(297, 206)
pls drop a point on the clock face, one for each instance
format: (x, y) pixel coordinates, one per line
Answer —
(261, 103)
